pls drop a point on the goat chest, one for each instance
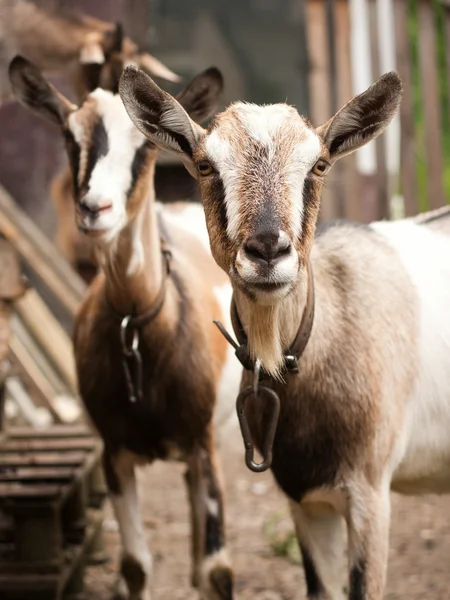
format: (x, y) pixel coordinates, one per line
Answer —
(177, 403)
(315, 436)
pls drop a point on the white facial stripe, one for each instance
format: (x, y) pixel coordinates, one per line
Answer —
(111, 176)
(302, 159)
(229, 167)
(274, 127)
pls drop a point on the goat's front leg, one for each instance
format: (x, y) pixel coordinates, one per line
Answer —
(368, 522)
(136, 565)
(212, 573)
(320, 534)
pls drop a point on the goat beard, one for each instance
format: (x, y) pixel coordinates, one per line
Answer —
(265, 340)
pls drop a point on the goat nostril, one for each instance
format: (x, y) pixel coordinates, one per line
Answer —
(284, 248)
(254, 251)
(267, 250)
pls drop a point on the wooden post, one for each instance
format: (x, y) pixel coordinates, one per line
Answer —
(446, 4)
(319, 82)
(362, 78)
(352, 205)
(431, 104)
(407, 159)
(382, 195)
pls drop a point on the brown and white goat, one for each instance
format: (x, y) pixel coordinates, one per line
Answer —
(76, 247)
(91, 53)
(186, 365)
(369, 410)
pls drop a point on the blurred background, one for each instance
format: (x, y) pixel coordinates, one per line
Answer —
(316, 55)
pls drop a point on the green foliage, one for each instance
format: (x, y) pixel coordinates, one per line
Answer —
(282, 538)
(420, 148)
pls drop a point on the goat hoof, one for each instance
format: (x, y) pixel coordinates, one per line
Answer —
(135, 578)
(221, 583)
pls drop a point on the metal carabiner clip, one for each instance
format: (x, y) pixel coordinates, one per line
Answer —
(267, 445)
(128, 350)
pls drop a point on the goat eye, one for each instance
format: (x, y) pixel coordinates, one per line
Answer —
(320, 167)
(204, 167)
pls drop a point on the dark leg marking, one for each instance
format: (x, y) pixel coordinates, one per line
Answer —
(214, 532)
(133, 573)
(313, 584)
(221, 580)
(358, 589)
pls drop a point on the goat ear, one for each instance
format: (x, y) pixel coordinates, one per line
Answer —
(157, 114)
(155, 68)
(200, 97)
(33, 91)
(363, 118)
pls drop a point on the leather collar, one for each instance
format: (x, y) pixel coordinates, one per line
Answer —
(138, 321)
(301, 339)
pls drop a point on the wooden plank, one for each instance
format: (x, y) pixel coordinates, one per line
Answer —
(346, 168)
(37, 416)
(47, 330)
(19, 491)
(37, 474)
(41, 361)
(11, 282)
(43, 445)
(382, 204)
(38, 386)
(446, 4)
(319, 82)
(47, 459)
(41, 255)
(55, 431)
(407, 159)
(431, 103)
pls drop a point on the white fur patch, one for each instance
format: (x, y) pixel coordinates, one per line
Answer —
(423, 460)
(128, 515)
(191, 218)
(268, 125)
(212, 506)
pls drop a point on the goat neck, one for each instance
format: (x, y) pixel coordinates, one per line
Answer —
(132, 261)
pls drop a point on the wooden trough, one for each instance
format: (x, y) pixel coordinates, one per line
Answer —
(51, 496)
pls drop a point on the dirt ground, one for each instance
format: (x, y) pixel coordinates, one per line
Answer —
(258, 525)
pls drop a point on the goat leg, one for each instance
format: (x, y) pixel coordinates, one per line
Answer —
(368, 534)
(136, 565)
(212, 572)
(320, 534)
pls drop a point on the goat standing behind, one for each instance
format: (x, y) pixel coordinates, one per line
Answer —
(91, 53)
(186, 364)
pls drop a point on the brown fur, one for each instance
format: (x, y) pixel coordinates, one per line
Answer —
(340, 416)
(182, 354)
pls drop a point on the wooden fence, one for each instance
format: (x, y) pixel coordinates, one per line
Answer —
(349, 44)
